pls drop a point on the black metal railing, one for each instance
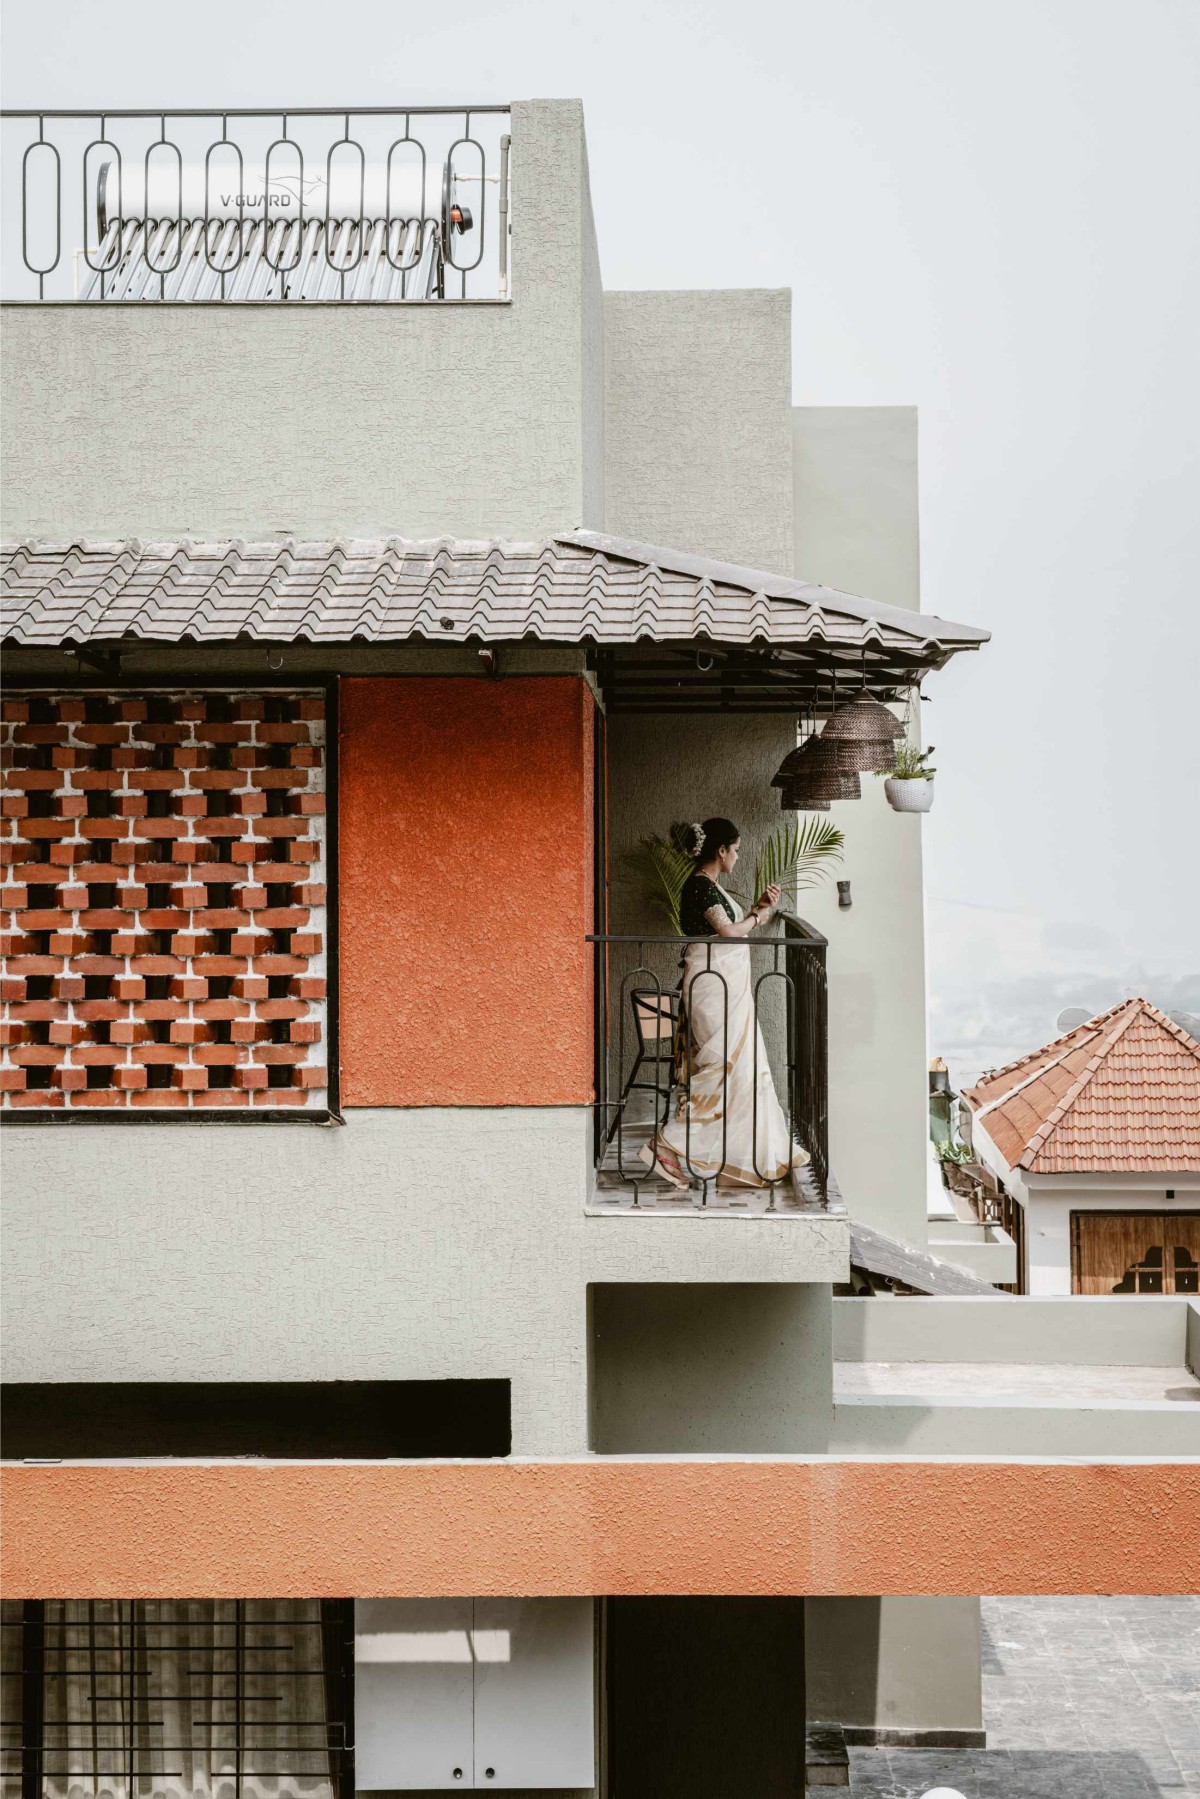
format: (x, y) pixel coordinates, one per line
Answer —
(644, 1065)
(368, 204)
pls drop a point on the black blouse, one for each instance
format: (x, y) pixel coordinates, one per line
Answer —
(698, 896)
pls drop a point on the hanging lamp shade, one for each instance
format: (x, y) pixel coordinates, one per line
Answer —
(863, 717)
(867, 755)
(799, 802)
(813, 757)
(834, 785)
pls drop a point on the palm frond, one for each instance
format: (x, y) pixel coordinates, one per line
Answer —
(798, 855)
(660, 869)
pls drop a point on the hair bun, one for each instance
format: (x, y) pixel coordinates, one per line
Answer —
(694, 838)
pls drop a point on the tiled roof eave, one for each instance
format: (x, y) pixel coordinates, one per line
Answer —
(559, 590)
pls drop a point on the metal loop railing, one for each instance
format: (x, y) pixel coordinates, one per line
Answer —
(370, 204)
(645, 1045)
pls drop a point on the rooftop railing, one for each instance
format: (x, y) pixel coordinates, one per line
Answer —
(649, 1073)
(369, 205)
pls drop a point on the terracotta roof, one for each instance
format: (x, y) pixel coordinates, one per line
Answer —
(1118, 1095)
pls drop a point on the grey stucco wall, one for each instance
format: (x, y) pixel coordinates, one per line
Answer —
(1075, 1329)
(698, 451)
(237, 421)
(731, 1368)
(857, 528)
(422, 1244)
(854, 473)
(894, 1663)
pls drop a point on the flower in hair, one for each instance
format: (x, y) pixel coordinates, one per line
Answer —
(697, 831)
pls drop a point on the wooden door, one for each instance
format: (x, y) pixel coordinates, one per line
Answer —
(1135, 1252)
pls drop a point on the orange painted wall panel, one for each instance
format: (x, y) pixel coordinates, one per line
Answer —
(599, 1526)
(465, 880)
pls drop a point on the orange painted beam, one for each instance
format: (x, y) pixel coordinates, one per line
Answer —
(598, 1526)
(465, 836)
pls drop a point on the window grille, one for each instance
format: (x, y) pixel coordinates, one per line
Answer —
(175, 1699)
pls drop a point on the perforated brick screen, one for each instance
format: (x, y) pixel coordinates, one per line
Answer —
(164, 867)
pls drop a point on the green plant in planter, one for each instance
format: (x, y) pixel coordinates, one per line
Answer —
(796, 855)
(958, 1153)
(911, 764)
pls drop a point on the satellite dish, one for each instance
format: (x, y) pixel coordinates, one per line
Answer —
(1066, 1021)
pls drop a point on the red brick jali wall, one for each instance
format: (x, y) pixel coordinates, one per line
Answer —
(164, 922)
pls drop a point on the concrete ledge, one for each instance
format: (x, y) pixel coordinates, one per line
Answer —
(714, 1244)
(985, 1249)
(1131, 1332)
(911, 1425)
(865, 1736)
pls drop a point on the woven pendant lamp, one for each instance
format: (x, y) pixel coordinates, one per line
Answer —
(863, 719)
(813, 757)
(799, 802)
(867, 755)
(834, 785)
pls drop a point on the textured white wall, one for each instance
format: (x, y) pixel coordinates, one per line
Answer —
(320, 420)
(427, 1244)
(698, 448)
(857, 528)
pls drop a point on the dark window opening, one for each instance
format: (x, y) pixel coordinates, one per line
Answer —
(101, 1031)
(278, 894)
(296, 1420)
(163, 757)
(40, 850)
(220, 895)
(41, 942)
(39, 1030)
(158, 896)
(220, 805)
(41, 804)
(159, 1072)
(37, 1079)
(158, 986)
(223, 849)
(279, 1074)
(37, 986)
(162, 1034)
(102, 896)
(101, 756)
(218, 709)
(222, 1032)
(220, 986)
(97, 986)
(281, 942)
(43, 712)
(279, 986)
(160, 942)
(158, 802)
(160, 711)
(99, 1075)
(43, 897)
(222, 942)
(97, 711)
(278, 802)
(102, 943)
(220, 1077)
(100, 803)
(281, 1031)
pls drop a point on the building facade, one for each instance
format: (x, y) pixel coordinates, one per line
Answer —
(347, 667)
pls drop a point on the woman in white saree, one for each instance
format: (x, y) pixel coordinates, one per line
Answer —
(729, 1125)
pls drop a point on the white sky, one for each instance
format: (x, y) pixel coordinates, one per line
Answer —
(988, 209)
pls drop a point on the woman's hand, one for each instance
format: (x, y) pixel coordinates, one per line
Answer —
(769, 898)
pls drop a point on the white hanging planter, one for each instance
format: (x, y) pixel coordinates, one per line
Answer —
(908, 795)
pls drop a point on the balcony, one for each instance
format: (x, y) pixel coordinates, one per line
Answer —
(372, 206)
(774, 1037)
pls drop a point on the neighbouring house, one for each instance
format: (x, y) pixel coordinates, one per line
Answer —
(375, 581)
(1096, 1138)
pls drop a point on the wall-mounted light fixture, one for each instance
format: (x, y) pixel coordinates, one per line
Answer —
(844, 899)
